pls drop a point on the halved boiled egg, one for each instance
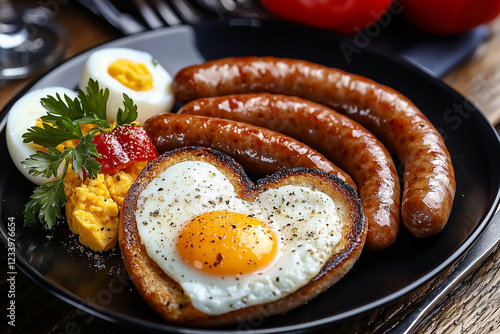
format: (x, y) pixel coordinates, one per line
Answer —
(131, 72)
(24, 114)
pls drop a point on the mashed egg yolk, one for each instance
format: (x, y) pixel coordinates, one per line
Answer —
(227, 243)
(93, 206)
(131, 74)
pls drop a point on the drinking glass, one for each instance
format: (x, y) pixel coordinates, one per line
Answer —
(30, 41)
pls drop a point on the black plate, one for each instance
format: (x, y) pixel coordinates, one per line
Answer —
(100, 285)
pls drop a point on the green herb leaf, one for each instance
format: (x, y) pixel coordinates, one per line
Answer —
(44, 163)
(57, 107)
(82, 156)
(47, 200)
(94, 101)
(63, 122)
(48, 135)
(128, 114)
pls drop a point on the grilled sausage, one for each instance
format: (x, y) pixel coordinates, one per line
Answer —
(343, 141)
(428, 180)
(260, 151)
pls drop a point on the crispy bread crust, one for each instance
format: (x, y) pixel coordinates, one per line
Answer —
(165, 295)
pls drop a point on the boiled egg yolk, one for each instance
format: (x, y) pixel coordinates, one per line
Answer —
(227, 243)
(131, 74)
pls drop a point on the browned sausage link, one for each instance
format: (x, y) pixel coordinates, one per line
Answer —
(260, 151)
(429, 181)
(346, 143)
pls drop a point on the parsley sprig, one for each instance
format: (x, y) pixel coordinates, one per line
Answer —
(63, 122)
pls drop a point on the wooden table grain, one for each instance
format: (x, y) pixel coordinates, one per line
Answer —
(473, 307)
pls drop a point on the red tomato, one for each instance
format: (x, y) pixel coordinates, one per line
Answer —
(112, 157)
(136, 142)
(345, 16)
(449, 16)
(120, 147)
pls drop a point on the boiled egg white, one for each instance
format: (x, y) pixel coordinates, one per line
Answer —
(24, 114)
(228, 253)
(134, 73)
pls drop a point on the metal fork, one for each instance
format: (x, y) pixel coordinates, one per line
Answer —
(154, 14)
(235, 8)
(160, 13)
(124, 22)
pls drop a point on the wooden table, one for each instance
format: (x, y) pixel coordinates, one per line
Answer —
(474, 307)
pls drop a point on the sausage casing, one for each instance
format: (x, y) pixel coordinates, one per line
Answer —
(428, 180)
(343, 141)
(260, 151)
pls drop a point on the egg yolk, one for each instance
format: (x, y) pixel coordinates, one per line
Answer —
(227, 243)
(131, 74)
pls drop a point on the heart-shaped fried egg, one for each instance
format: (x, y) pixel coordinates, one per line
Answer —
(230, 244)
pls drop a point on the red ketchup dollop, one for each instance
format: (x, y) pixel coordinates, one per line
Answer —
(122, 146)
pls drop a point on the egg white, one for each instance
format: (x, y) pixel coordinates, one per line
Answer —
(149, 103)
(24, 114)
(304, 220)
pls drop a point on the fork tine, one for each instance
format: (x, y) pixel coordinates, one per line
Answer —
(148, 14)
(124, 22)
(187, 12)
(235, 8)
(166, 13)
(229, 5)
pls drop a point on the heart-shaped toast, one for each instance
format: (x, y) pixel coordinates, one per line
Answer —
(205, 246)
